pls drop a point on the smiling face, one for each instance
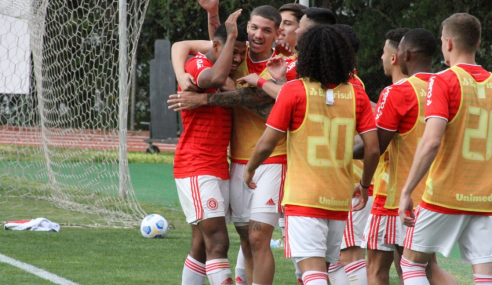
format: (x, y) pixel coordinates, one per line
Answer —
(262, 33)
(288, 28)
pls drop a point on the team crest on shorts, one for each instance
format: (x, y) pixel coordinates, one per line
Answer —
(212, 204)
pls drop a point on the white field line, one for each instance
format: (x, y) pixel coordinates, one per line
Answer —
(36, 271)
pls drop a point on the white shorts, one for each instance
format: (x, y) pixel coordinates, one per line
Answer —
(381, 232)
(266, 198)
(356, 223)
(313, 237)
(437, 232)
(203, 197)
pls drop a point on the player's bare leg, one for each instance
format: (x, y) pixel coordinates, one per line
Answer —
(246, 248)
(214, 231)
(353, 261)
(398, 253)
(378, 266)
(436, 275)
(194, 268)
(413, 264)
(314, 266)
(260, 235)
(482, 273)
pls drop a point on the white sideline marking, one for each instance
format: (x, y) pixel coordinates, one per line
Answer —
(36, 271)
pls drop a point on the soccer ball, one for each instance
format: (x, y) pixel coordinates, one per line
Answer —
(154, 226)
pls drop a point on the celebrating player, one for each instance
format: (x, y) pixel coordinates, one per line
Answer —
(456, 205)
(202, 178)
(320, 112)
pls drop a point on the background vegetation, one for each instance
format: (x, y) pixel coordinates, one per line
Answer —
(183, 20)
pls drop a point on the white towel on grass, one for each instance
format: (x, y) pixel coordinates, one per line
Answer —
(39, 224)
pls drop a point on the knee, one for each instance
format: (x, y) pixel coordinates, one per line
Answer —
(258, 240)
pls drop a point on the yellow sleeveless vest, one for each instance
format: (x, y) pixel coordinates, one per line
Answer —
(381, 176)
(319, 153)
(460, 177)
(247, 128)
(402, 151)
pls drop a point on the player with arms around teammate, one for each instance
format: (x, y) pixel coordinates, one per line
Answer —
(201, 169)
(321, 113)
(455, 149)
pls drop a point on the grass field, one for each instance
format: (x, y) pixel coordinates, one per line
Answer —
(123, 256)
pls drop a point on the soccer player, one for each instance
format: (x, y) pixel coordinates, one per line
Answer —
(321, 113)
(380, 233)
(455, 149)
(202, 178)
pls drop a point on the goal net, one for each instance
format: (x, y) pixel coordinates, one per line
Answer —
(64, 86)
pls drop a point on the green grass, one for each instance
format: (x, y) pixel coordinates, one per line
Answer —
(118, 256)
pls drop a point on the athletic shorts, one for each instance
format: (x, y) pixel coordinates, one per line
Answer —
(381, 233)
(437, 232)
(313, 237)
(266, 198)
(356, 223)
(203, 197)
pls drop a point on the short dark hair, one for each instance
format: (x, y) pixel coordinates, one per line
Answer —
(422, 41)
(268, 12)
(394, 36)
(295, 8)
(321, 15)
(221, 33)
(466, 29)
(325, 55)
(351, 35)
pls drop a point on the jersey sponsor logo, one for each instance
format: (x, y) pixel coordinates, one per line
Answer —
(383, 102)
(333, 202)
(199, 63)
(270, 202)
(473, 198)
(228, 281)
(429, 90)
(340, 95)
(291, 65)
(336, 94)
(212, 204)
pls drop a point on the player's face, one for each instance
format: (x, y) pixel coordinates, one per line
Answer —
(402, 47)
(288, 28)
(304, 25)
(388, 57)
(238, 55)
(261, 34)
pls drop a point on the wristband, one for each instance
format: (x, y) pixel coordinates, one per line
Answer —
(260, 82)
(363, 186)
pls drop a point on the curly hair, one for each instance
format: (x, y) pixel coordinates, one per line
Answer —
(325, 55)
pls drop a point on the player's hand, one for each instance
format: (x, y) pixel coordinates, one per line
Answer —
(186, 100)
(362, 194)
(229, 85)
(406, 206)
(231, 24)
(277, 67)
(209, 5)
(251, 79)
(248, 178)
(187, 83)
(284, 48)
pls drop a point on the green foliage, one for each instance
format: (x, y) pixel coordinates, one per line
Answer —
(183, 20)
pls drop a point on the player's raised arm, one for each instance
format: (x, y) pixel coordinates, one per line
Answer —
(179, 53)
(216, 76)
(212, 8)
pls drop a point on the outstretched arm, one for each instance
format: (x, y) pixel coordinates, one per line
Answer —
(216, 76)
(212, 8)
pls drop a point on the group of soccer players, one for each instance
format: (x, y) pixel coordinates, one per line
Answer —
(281, 97)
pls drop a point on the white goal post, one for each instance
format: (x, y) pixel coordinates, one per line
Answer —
(64, 89)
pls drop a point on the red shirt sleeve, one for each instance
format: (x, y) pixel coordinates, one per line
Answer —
(290, 107)
(364, 116)
(391, 108)
(437, 101)
(196, 65)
